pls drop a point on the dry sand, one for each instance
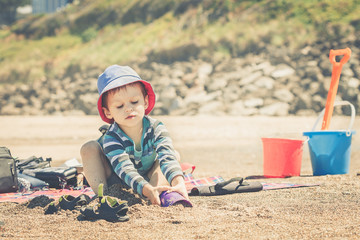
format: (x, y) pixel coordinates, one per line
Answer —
(225, 146)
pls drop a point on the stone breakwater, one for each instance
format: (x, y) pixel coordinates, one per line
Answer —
(252, 85)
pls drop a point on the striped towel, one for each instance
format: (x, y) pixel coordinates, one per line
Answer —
(190, 182)
(52, 193)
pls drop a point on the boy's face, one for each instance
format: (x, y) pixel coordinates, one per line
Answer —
(126, 106)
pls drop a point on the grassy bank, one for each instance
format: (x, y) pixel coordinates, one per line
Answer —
(99, 33)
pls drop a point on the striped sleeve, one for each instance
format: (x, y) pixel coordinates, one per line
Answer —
(115, 150)
(169, 164)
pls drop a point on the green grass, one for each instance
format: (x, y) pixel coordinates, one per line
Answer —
(32, 59)
(218, 28)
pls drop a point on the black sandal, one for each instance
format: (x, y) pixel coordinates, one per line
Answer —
(68, 202)
(234, 185)
(108, 208)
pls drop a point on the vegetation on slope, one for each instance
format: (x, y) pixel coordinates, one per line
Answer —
(98, 33)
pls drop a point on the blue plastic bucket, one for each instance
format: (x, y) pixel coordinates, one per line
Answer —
(330, 150)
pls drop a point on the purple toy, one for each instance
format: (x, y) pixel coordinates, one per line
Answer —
(172, 198)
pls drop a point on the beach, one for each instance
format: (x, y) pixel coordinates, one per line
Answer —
(227, 146)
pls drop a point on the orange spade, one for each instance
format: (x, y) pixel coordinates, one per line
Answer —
(335, 76)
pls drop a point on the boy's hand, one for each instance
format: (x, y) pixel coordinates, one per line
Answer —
(178, 185)
(153, 193)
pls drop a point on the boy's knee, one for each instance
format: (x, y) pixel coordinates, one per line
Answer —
(89, 147)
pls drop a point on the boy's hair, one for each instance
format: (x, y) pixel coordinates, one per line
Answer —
(115, 90)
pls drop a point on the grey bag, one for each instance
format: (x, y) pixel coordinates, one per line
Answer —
(8, 173)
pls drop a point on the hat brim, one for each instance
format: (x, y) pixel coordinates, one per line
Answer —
(117, 83)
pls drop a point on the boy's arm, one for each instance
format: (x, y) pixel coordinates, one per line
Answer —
(178, 184)
(169, 164)
(168, 161)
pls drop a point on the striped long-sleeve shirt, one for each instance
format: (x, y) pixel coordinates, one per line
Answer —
(130, 164)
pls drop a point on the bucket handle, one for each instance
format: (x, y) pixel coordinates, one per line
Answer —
(339, 103)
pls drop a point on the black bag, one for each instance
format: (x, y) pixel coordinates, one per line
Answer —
(8, 173)
(56, 177)
(33, 163)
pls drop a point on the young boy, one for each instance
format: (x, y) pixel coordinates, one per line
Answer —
(136, 150)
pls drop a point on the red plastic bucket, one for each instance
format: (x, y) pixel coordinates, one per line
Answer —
(282, 157)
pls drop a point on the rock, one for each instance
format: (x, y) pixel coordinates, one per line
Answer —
(238, 109)
(318, 103)
(170, 101)
(167, 96)
(250, 78)
(196, 97)
(217, 84)
(177, 73)
(315, 87)
(276, 109)
(265, 82)
(19, 101)
(353, 83)
(35, 102)
(282, 70)
(254, 102)
(304, 101)
(88, 102)
(11, 109)
(284, 95)
(201, 97)
(346, 71)
(212, 108)
(250, 90)
(205, 69)
(51, 107)
(326, 83)
(351, 93)
(231, 94)
(265, 67)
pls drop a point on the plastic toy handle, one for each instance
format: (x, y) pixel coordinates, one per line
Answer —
(333, 53)
(339, 103)
(335, 76)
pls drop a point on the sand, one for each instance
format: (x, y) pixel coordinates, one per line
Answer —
(225, 146)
